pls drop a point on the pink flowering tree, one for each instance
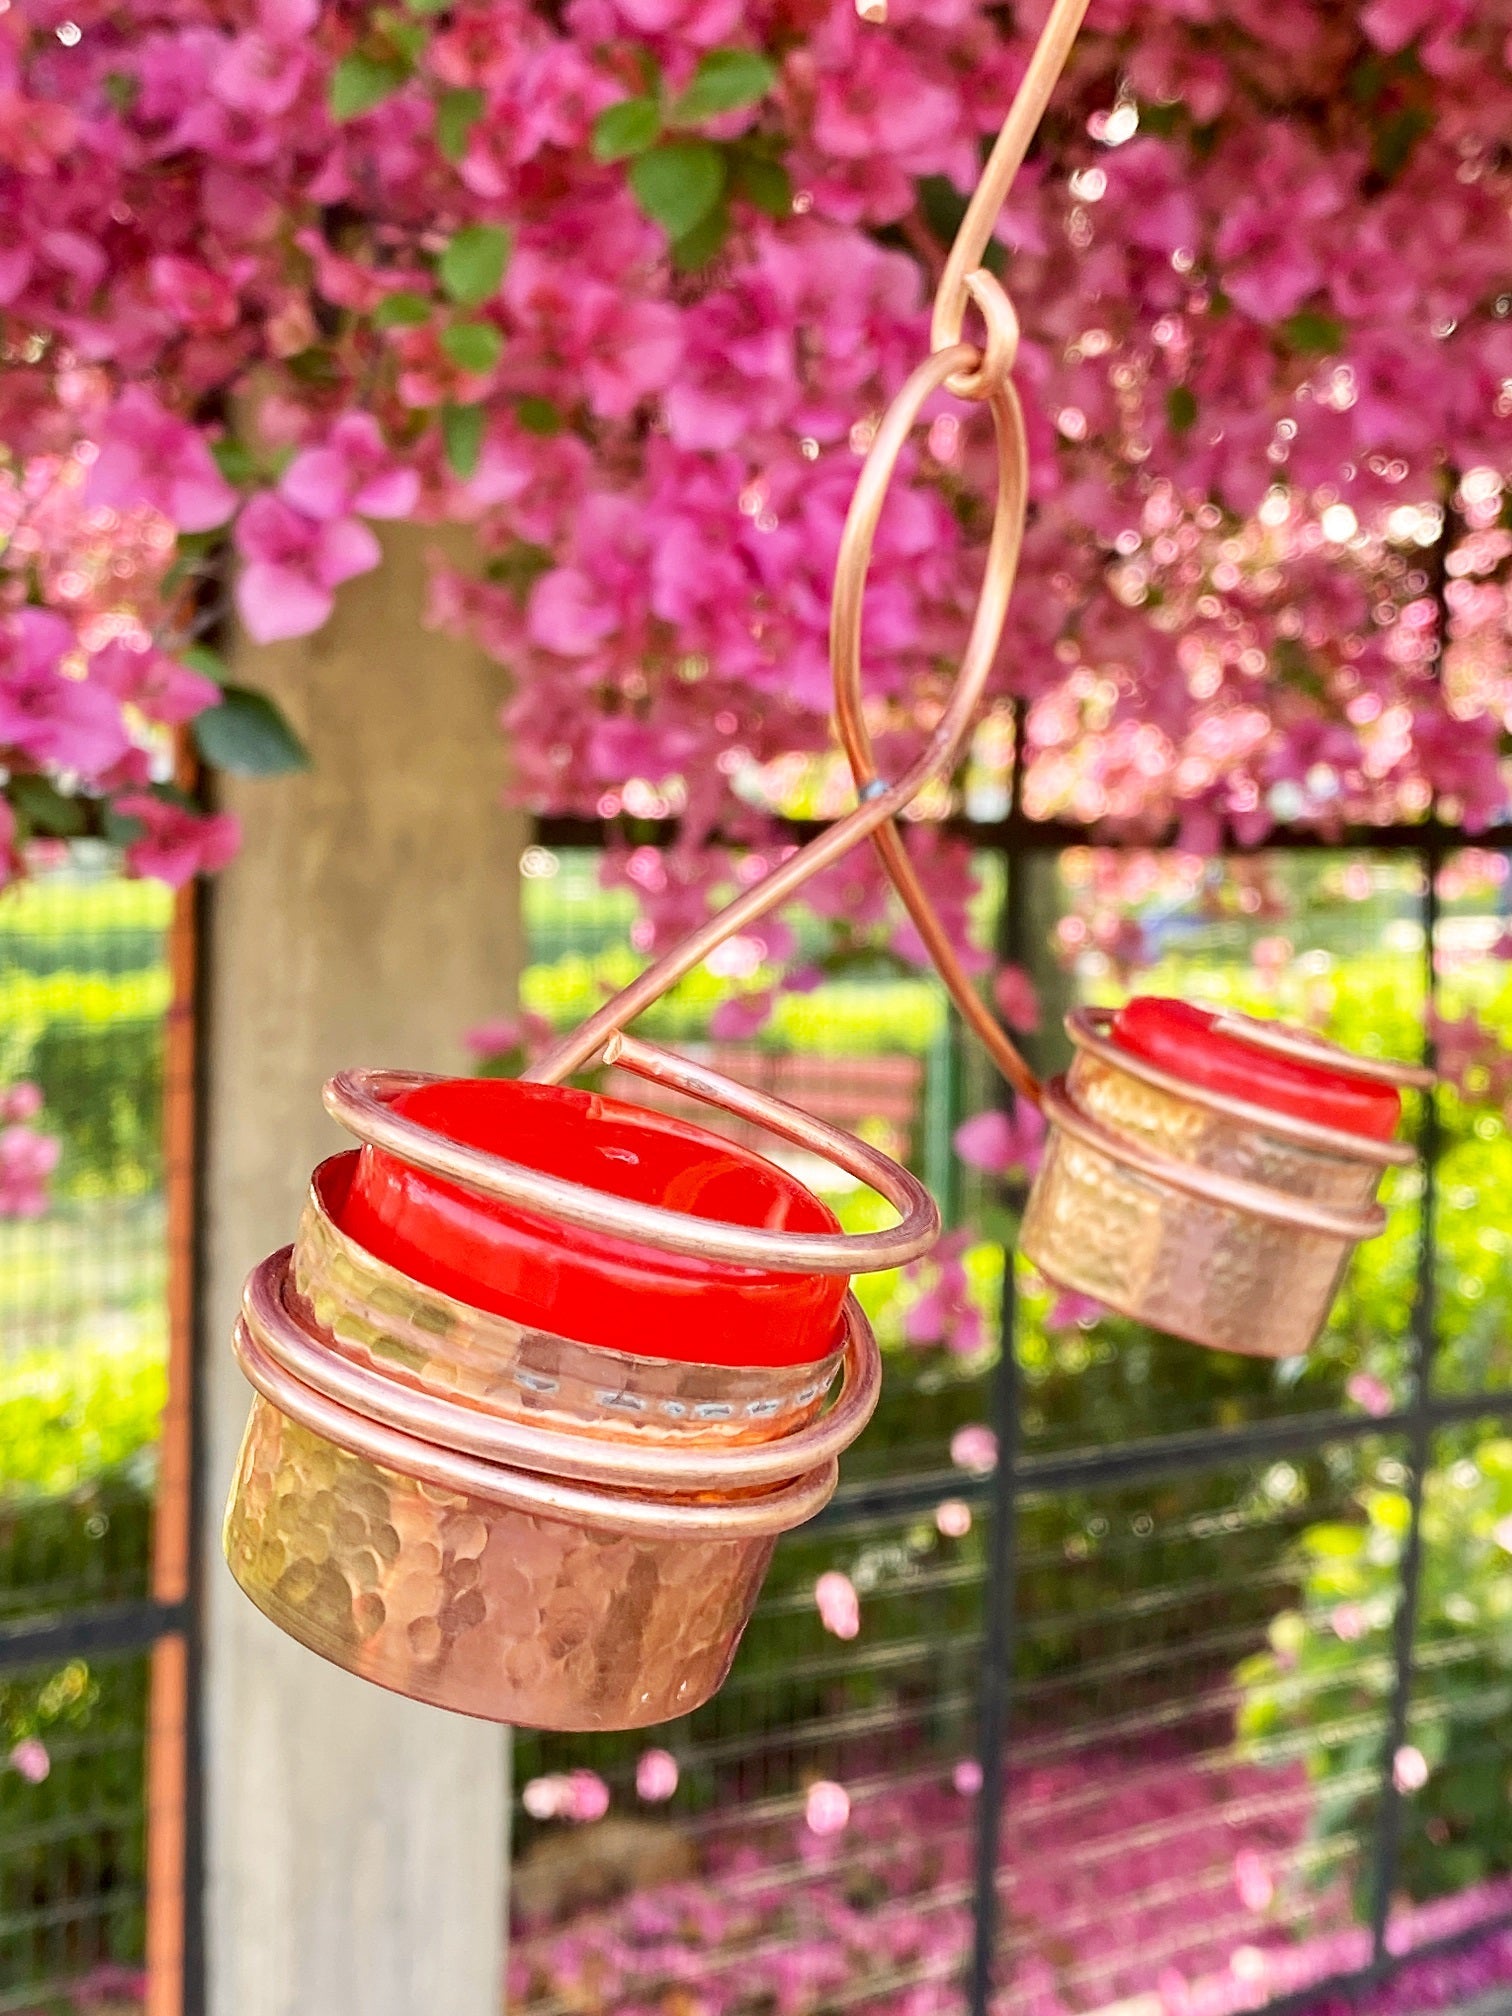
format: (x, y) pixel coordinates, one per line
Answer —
(625, 284)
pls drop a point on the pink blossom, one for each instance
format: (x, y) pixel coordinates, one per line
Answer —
(161, 687)
(1501, 1533)
(999, 1142)
(656, 1775)
(27, 1159)
(953, 1518)
(353, 472)
(506, 1033)
(975, 1450)
(175, 845)
(1369, 1392)
(838, 1605)
(1069, 1311)
(47, 717)
(826, 1807)
(1253, 1882)
(966, 1777)
(579, 1796)
(21, 1101)
(147, 455)
(30, 1758)
(1409, 1769)
(1349, 1621)
(294, 565)
(1017, 999)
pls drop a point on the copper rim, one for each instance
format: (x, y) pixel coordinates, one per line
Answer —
(359, 1100)
(450, 1470)
(1309, 1049)
(1085, 1027)
(1210, 1186)
(815, 1376)
(559, 1453)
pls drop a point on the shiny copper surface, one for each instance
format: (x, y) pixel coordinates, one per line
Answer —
(483, 1589)
(276, 1318)
(1221, 1222)
(426, 1341)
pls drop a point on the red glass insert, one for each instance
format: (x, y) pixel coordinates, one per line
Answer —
(585, 1285)
(1182, 1039)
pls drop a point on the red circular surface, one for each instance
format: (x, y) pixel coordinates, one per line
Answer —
(585, 1285)
(1181, 1039)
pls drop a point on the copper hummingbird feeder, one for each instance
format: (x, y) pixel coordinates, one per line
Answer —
(544, 1374)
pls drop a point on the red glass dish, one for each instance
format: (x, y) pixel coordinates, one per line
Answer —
(1187, 1042)
(586, 1285)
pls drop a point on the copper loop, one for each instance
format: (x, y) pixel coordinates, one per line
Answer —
(361, 1102)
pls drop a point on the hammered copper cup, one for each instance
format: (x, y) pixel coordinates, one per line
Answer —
(419, 1337)
(1224, 1223)
(490, 1590)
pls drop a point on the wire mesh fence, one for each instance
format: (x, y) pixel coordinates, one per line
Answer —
(85, 988)
(1172, 1682)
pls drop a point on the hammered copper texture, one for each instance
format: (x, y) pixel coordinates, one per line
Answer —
(378, 1317)
(1201, 1270)
(1190, 1131)
(475, 1606)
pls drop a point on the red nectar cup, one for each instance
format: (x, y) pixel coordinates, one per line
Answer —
(584, 1285)
(1211, 1175)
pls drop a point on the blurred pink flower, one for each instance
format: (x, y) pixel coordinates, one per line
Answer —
(578, 1796)
(1349, 1621)
(967, 1777)
(30, 1758)
(353, 471)
(21, 1101)
(838, 1604)
(1070, 1309)
(1000, 1142)
(656, 1775)
(148, 455)
(1017, 999)
(974, 1449)
(1253, 1881)
(27, 1159)
(294, 564)
(1369, 1392)
(175, 845)
(953, 1518)
(827, 1807)
(506, 1033)
(1409, 1769)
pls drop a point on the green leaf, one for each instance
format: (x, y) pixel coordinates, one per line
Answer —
(121, 89)
(360, 82)
(429, 6)
(1397, 138)
(763, 182)
(473, 346)
(247, 734)
(462, 429)
(234, 459)
(404, 310)
(44, 809)
(724, 80)
(472, 265)
(697, 247)
(538, 416)
(407, 38)
(120, 829)
(625, 129)
(1181, 408)
(678, 183)
(209, 664)
(1312, 332)
(457, 112)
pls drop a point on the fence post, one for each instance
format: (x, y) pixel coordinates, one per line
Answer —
(355, 1842)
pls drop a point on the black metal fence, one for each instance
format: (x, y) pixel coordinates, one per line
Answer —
(92, 1626)
(1182, 1681)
